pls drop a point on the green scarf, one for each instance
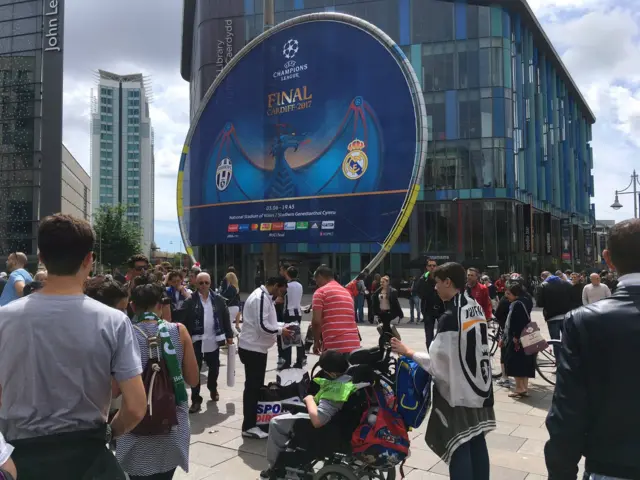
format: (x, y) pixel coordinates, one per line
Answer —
(169, 355)
(334, 390)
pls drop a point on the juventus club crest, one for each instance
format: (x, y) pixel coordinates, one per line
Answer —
(224, 172)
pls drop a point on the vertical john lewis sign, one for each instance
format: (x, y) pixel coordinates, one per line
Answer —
(52, 26)
(52, 86)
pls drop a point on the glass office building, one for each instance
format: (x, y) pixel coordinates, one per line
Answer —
(509, 164)
(31, 34)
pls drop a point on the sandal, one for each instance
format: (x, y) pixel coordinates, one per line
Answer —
(518, 395)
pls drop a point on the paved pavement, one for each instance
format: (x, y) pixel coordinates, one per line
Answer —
(218, 450)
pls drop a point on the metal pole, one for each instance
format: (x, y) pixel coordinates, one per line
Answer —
(269, 14)
(573, 250)
(634, 180)
(215, 266)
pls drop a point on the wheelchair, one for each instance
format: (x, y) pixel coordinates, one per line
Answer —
(325, 453)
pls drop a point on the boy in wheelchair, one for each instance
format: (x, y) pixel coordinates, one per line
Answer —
(297, 439)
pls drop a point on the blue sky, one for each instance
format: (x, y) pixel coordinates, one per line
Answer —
(599, 41)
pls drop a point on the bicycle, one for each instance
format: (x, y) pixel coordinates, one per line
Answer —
(546, 364)
(494, 335)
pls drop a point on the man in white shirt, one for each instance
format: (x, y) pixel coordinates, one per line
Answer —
(208, 322)
(259, 332)
(595, 291)
(293, 314)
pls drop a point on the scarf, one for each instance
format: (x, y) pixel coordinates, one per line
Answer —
(169, 355)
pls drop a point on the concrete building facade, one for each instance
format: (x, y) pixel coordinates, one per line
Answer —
(76, 187)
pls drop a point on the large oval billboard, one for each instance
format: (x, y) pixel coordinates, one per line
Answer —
(314, 132)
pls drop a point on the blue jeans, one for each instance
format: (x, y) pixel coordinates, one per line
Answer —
(470, 461)
(359, 308)
(414, 304)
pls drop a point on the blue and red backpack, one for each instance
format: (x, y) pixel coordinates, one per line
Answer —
(381, 439)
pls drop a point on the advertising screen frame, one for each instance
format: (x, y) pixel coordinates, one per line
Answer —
(415, 89)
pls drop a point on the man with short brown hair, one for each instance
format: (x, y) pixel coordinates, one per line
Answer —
(59, 351)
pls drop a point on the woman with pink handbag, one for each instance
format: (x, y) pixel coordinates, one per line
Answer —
(517, 363)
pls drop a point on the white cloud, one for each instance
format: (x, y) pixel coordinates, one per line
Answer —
(599, 43)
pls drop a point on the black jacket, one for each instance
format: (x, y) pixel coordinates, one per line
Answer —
(576, 294)
(231, 295)
(595, 405)
(394, 303)
(555, 298)
(194, 316)
(430, 303)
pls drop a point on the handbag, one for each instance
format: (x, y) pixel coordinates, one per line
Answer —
(532, 340)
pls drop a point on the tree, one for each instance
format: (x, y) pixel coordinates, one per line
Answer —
(117, 237)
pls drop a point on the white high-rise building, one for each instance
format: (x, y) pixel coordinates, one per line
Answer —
(122, 160)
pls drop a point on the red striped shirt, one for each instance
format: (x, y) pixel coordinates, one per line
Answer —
(339, 329)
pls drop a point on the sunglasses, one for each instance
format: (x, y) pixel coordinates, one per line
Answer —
(141, 268)
(204, 283)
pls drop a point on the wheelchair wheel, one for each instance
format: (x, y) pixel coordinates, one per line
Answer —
(335, 472)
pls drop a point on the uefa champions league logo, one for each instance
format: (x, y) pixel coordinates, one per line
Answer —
(224, 172)
(290, 49)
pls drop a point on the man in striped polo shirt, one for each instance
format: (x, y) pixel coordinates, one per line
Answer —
(334, 325)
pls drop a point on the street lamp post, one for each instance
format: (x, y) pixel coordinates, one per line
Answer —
(635, 182)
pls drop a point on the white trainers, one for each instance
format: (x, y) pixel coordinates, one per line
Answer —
(255, 432)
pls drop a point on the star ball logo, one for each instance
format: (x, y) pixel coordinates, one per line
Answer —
(290, 49)
(291, 69)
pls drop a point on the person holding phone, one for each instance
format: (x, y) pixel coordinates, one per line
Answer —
(260, 329)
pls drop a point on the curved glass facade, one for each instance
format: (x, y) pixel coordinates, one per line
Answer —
(509, 153)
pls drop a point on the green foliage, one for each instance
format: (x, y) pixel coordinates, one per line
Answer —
(117, 237)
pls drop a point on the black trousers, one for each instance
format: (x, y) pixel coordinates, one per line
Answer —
(429, 324)
(157, 476)
(370, 313)
(255, 369)
(286, 352)
(213, 362)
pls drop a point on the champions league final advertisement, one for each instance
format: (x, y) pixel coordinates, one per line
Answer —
(311, 134)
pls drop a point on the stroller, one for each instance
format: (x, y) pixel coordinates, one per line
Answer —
(325, 454)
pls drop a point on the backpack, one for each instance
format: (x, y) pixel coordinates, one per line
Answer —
(381, 438)
(352, 287)
(161, 413)
(413, 392)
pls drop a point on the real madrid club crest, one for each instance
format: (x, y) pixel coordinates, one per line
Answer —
(355, 163)
(224, 172)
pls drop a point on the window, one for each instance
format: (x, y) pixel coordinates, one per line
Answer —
(484, 65)
(432, 21)
(470, 116)
(486, 120)
(438, 67)
(484, 21)
(472, 21)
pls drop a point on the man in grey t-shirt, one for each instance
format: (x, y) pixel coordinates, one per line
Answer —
(59, 351)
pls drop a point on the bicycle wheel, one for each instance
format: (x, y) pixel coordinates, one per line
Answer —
(546, 363)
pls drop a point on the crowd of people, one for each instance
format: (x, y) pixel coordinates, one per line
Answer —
(81, 353)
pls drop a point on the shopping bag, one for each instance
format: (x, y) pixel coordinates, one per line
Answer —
(532, 340)
(270, 401)
(231, 365)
